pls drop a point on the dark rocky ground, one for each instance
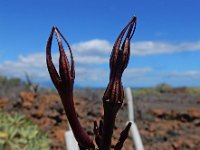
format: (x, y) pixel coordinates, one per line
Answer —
(169, 121)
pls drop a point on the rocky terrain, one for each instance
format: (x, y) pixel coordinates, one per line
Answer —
(168, 121)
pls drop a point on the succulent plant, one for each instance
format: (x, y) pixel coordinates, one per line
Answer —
(19, 133)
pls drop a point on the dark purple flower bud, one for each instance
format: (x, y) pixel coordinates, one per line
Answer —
(118, 62)
(114, 94)
(64, 82)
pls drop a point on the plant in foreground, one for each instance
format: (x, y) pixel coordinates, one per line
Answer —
(113, 96)
(19, 133)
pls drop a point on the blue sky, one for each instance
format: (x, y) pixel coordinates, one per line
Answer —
(165, 47)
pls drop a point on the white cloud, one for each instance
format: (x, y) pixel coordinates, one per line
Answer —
(132, 72)
(141, 48)
(90, 59)
(189, 74)
(32, 64)
(151, 48)
(91, 47)
(100, 76)
(35, 66)
(91, 55)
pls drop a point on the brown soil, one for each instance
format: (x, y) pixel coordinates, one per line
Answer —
(166, 122)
